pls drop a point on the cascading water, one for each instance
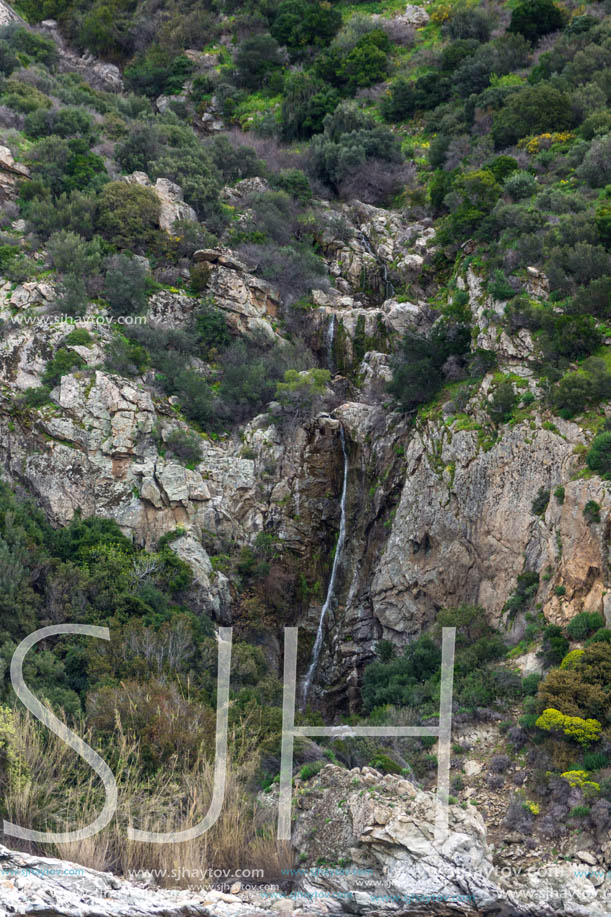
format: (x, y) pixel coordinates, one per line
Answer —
(331, 587)
(389, 290)
(330, 339)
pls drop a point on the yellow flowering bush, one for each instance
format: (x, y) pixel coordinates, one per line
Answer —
(574, 727)
(545, 141)
(571, 659)
(579, 779)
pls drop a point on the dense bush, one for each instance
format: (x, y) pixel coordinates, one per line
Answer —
(584, 624)
(128, 215)
(535, 18)
(185, 445)
(300, 23)
(350, 140)
(125, 284)
(502, 402)
(256, 59)
(306, 101)
(531, 111)
(599, 455)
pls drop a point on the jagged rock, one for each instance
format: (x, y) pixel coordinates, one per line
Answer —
(8, 14)
(375, 372)
(32, 293)
(537, 284)
(236, 194)
(172, 310)
(464, 528)
(216, 256)
(415, 15)
(10, 171)
(247, 301)
(487, 315)
(382, 833)
(164, 103)
(35, 885)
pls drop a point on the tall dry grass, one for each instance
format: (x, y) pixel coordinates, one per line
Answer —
(52, 789)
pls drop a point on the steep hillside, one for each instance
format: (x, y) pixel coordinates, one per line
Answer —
(303, 322)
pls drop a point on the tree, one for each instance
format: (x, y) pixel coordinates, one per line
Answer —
(125, 284)
(299, 23)
(530, 111)
(257, 58)
(305, 102)
(470, 23)
(502, 402)
(128, 214)
(367, 63)
(535, 18)
(417, 373)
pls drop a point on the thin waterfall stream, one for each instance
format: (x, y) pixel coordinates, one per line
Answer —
(330, 338)
(389, 290)
(331, 587)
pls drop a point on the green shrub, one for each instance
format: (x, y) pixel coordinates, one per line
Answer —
(125, 357)
(62, 363)
(73, 212)
(34, 397)
(584, 624)
(79, 336)
(37, 47)
(125, 284)
(579, 812)
(595, 760)
(502, 402)
(299, 23)
(383, 762)
(599, 455)
(185, 445)
(559, 494)
(531, 111)
(306, 100)
(555, 645)
(526, 589)
(256, 59)
(350, 139)
(128, 215)
(295, 182)
(157, 71)
(535, 18)
(310, 770)
(469, 23)
(603, 635)
(591, 511)
(211, 327)
(530, 684)
(417, 375)
(499, 287)
(520, 185)
(62, 165)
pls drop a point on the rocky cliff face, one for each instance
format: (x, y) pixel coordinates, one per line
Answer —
(441, 509)
(438, 513)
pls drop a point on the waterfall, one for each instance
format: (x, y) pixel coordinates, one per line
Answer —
(389, 290)
(331, 587)
(329, 339)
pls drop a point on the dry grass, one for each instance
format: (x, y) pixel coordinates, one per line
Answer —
(53, 789)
